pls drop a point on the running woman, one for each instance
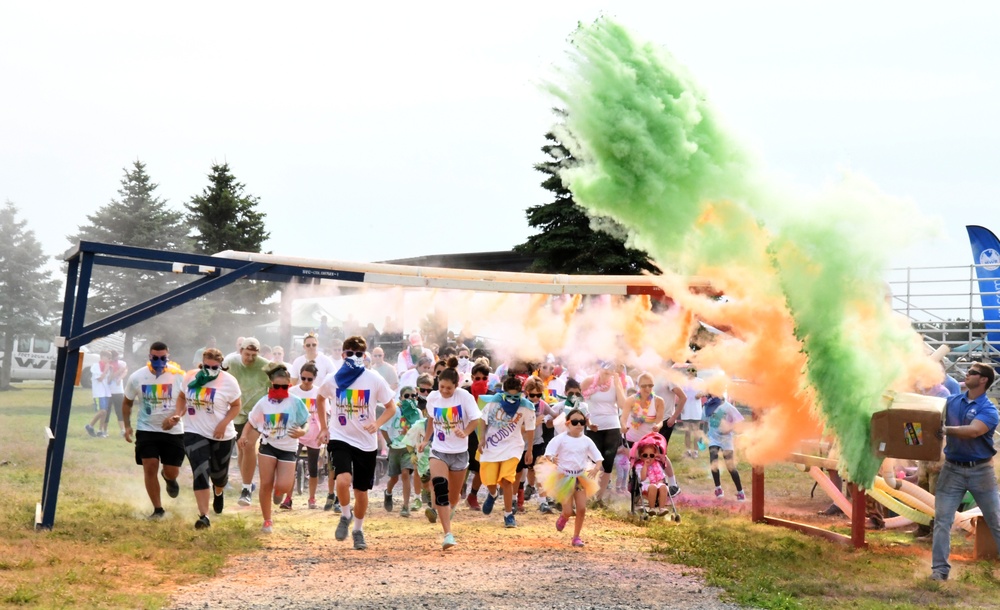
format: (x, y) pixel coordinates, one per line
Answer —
(307, 391)
(643, 413)
(601, 391)
(452, 414)
(279, 419)
(208, 406)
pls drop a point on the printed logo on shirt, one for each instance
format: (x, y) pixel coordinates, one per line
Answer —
(350, 402)
(157, 396)
(445, 420)
(500, 426)
(310, 404)
(200, 399)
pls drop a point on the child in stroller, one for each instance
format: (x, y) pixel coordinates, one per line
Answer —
(648, 479)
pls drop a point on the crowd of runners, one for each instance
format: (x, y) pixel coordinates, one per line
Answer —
(453, 428)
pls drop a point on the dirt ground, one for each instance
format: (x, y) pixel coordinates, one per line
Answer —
(531, 566)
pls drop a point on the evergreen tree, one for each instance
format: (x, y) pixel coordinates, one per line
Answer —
(137, 218)
(28, 293)
(567, 241)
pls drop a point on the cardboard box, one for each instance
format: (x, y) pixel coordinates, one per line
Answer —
(910, 428)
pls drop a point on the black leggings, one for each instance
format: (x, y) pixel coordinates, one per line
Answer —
(713, 458)
(209, 459)
(608, 442)
(312, 460)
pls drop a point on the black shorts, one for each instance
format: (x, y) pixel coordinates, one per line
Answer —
(167, 448)
(473, 447)
(537, 451)
(666, 430)
(282, 455)
(347, 458)
(239, 429)
(209, 459)
(608, 442)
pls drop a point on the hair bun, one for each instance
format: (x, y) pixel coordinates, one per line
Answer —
(452, 362)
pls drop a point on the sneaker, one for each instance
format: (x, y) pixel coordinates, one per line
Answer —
(561, 522)
(431, 514)
(718, 492)
(404, 512)
(694, 454)
(245, 498)
(473, 501)
(173, 489)
(662, 512)
(102, 435)
(674, 490)
(345, 522)
(202, 523)
(287, 504)
(448, 542)
(545, 507)
(336, 508)
(266, 529)
(218, 502)
(577, 541)
(387, 503)
(312, 504)
(359, 540)
(158, 513)
(90, 430)
(331, 500)
(938, 576)
(741, 496)
(488, 504)
(277, 500)
(529, 492)
(508, 520)
(417, 504)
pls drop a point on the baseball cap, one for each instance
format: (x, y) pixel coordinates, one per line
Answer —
(251, 342)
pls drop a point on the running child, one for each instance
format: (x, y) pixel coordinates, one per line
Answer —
(567, 459)
(400, 464)
(507, 427)
(723, 419)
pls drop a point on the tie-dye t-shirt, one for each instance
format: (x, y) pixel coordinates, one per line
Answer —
(502, 439)
(274, 419)
(311, 438)
(154, 399)
(209, 404)
(353, 407)
(448, 415)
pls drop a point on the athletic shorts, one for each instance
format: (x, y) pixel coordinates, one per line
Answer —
(167, 448)
(209, 459)
(399, 460)
(607, 442)
(493, 472)
(456, 462)
(473, 448)
(347, 458)
(312, 461)
(239, 429)
(537, 451)
(282, 455)
(666, 430)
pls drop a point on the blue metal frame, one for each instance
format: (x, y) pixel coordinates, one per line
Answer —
(75, 333)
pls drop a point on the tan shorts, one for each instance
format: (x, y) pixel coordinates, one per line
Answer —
(493, 472)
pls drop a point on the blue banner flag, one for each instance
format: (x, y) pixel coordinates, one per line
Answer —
(986, 252)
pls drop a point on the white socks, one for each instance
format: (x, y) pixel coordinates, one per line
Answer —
(358, 524)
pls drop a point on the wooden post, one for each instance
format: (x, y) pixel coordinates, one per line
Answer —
(859, 514)
(757, 494)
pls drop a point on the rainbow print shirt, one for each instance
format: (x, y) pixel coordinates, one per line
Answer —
(200, 400)
(157, 397)
(446, 419)
(352, 404)
(275, 419)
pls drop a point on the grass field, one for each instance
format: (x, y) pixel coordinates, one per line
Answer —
(102, 553)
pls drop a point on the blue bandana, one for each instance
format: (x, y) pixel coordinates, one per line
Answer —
(348, 373)
(711, 405)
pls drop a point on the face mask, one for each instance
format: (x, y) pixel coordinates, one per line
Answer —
(511, 400)
(573, 400)
(357, 360)
(463, 359)
(158, 366)
(277, 394)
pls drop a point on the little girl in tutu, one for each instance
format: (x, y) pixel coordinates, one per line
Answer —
(563, 471)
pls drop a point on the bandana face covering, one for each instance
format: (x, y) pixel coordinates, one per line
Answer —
(203, 377)
(158, 366)
(277, 395)
(408, 411)
(510, 404)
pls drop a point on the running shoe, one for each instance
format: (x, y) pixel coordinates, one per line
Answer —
(545, 507)
(404, 512)
(508, 520)
(90, 430)
(431, 514)
(277, 499)
(266, 529)
(245, 498)
(473, 501)
(287, 504)
(417, 504)
(331, 500)
(529, 492)
(561, 522)
(158, 513)
(674, 490)
(741, 496)
(102, 435)
(488, 504)
(173, 489)
(218, 502)
(336, 508)
(345, 522)
(359, 540)
(312, 503)
(202, 523)
(577, 541)
(448, 542)
(387, 502)
(718, 492)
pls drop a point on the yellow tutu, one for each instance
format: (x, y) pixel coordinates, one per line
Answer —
(561, 486)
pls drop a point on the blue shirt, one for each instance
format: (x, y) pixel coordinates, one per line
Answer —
(952, 385)
(960, 411)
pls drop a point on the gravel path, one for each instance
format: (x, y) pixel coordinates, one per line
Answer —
(303, 567)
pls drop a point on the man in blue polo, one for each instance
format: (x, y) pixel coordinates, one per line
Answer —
(970, 420)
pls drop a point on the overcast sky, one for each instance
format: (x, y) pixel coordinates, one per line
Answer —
(375, 131)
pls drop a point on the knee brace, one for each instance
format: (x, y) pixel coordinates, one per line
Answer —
(440, 491)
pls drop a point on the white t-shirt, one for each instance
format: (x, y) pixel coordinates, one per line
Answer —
(209, 404)
(409, 378)
(604, 409)
(311, 438)
(403, 363)
(275, 418)
(99, 387)
(502, 439)
(116, 382)
(353, 407)
(692, 408)
(573, 454)
(720, 426)
(324, 366)
(155, 399)
(447, 414)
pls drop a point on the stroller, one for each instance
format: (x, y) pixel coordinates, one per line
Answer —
(639, 504)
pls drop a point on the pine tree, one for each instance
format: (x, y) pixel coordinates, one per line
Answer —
(28, 293)
(137, 218)
(567, 241)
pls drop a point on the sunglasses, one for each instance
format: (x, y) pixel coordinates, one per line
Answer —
(577, 422)
(279, 386)
(306, 378)
(571, 394)
(351, 353)
(648, 455)
(408, 396)
(645, 385)
(480, 378)
(424, 390)
(535, 395)
(159, 358)
(213, 367)
(312, 344)
(973, 373)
